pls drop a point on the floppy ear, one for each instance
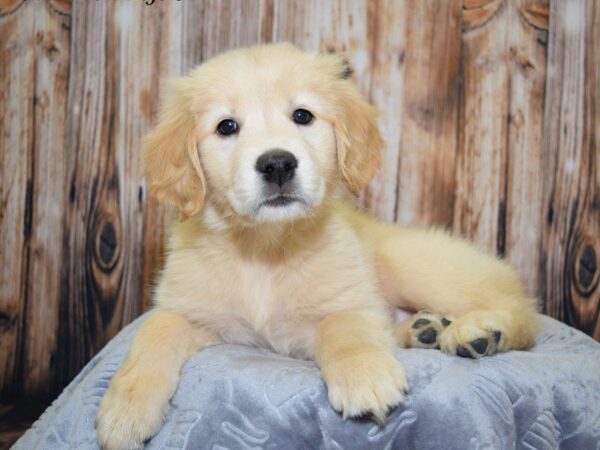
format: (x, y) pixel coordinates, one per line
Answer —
(172, 167)
(358, 140)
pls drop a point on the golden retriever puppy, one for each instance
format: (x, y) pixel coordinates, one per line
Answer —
(260, 149)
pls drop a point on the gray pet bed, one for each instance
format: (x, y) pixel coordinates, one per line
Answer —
(235, 397)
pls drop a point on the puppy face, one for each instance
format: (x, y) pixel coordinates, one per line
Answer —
(263, 135)
(266, 147)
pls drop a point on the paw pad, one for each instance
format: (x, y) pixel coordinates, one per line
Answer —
(429, 336)
(475, 349)
(426, 328)
(420, 323)
(480, 347)
(497, 335)
(463, 352)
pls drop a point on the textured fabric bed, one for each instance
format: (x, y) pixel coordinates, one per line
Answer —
(234, 397)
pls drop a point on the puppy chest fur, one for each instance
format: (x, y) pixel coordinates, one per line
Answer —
(248, 291)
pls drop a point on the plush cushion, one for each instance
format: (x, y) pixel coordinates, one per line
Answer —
(236, 397)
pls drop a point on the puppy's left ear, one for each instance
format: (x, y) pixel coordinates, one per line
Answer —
(358, 140)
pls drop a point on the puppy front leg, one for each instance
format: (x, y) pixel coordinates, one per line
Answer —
(137, 399)
(354, 350)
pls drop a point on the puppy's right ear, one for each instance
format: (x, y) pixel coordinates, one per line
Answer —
(172, 168)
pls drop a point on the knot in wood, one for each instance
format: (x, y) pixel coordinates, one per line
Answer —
(6, 321)
(587, 274)
(107, 247)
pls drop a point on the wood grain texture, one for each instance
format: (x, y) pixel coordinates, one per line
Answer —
(500, 158)
(16, 137)
(381, 77)
(219, 25)
(489, 110)
(112, 101)
(520, 239)
(571, 235)
(480, 206)
(51, 51)
(428, 142)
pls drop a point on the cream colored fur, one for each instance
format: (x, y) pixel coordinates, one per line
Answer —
(315, 279)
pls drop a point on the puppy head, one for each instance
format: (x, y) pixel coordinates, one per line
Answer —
(263, 134)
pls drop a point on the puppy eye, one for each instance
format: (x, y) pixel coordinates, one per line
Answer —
(302, 117)
(227, 127)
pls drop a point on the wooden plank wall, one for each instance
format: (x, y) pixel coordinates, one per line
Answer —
(490, 110)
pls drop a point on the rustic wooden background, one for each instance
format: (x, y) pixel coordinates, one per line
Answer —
(490, 110)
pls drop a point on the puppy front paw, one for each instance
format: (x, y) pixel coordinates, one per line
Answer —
(131, 411)
(365, 383)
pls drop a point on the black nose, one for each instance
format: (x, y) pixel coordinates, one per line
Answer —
(277, 166)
